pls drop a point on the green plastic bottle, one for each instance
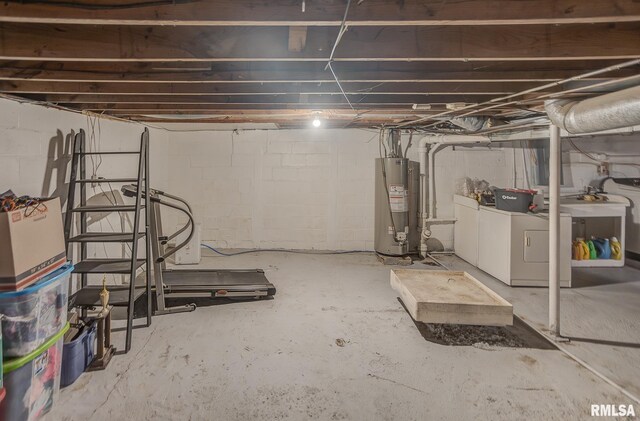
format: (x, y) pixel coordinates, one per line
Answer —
(592, 250)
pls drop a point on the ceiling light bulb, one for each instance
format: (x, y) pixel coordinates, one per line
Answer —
(316, 122)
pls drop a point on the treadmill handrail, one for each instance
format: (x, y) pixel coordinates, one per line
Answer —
(186, 204)
(179, 199)
(190, 223)
(132, 189)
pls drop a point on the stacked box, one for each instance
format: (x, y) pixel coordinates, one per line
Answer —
(34, 314)
(33, 245)
(33, 381)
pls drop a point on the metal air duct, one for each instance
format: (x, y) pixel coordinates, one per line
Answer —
(610, 111)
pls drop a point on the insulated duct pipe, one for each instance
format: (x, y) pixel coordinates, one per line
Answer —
(427, 147)
(610, 111)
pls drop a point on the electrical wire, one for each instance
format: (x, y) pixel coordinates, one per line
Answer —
(572, 143)
(283, 251)
(340, 86)
(10, 203)
(343, 29)
(408, 143)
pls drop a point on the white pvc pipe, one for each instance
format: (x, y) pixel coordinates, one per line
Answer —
(554, 229)
(423, 150)
(432, 180)
(427, 147)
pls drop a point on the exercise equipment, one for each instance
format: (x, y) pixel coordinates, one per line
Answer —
(192, 283)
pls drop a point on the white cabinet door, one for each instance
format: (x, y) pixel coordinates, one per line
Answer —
(465, 233)
(494, 244)
(536, 246)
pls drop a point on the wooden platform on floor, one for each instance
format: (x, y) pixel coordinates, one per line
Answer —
(453, 297)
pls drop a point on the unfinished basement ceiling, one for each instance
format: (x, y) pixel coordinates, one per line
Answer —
(258, 62)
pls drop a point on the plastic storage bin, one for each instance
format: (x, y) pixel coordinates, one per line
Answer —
(32, 382)
(36, 313)
(514, 200)
(1, 359)
(77, 354)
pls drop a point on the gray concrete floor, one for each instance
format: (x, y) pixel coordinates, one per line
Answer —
(278, 359)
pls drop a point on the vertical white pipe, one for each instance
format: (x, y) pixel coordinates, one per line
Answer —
(432, 181)
(423, 150)
(554, 229)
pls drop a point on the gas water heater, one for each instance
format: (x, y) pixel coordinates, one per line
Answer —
(396, 201)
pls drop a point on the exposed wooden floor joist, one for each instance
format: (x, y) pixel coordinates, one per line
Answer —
(314, 100)
(275, 72)
(322, 12)
(352, 88)
(193, 44)
(206, 58)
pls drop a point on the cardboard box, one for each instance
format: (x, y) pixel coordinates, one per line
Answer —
(31, 244)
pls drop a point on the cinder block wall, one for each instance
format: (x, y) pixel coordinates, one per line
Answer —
(299, 189)
(291, 188)
(35, 154)
(302, 189)
(35, 144)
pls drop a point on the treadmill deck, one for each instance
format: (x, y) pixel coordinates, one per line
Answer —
(242, 280)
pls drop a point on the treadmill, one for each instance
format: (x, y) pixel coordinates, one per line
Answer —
(239, 284)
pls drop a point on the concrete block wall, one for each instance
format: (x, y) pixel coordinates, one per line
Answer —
(35, 155)
(35, 148)
(622, 153)
(302, 189)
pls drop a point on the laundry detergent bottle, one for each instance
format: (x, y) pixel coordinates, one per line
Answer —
(592, 250)
(576, 251)
(603, 250)
(606, 249)
(616, 249)
(583, 253)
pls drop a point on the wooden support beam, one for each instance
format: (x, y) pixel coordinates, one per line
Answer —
(237, 109)
(295, 122)
(321, 12)
(330, 88)
(238, 73)
(214, 44)
(297, 38)
(263, 113)
(249, 100)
